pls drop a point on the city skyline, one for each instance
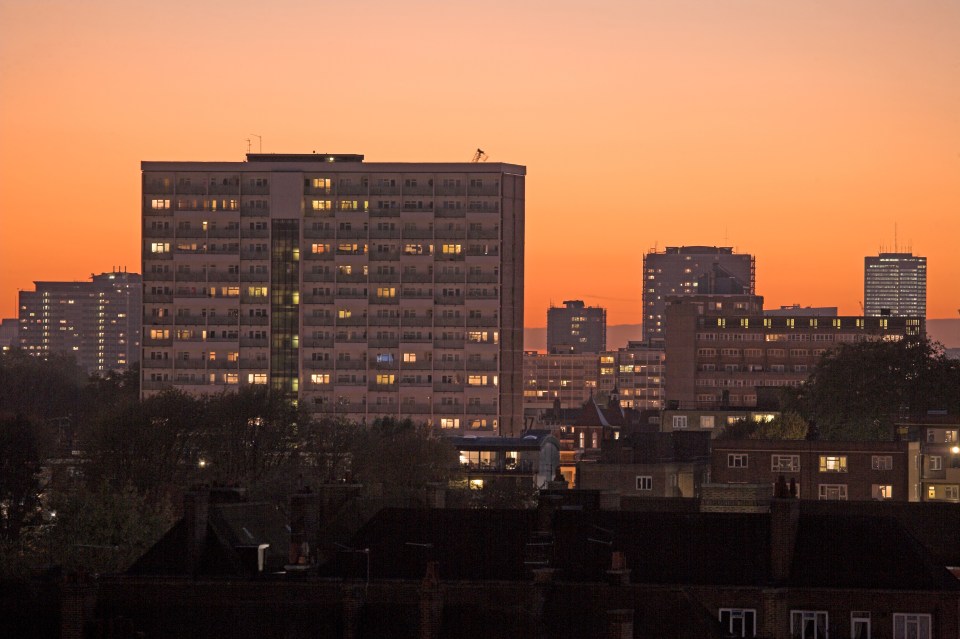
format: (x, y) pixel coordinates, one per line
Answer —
(784, 131)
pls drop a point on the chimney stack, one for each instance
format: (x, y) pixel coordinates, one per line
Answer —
(784, 517)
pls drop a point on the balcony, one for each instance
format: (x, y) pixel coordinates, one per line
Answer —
(449, 299)
(352, 189)
(254, 364)
(255, 320)
(417, 234)
(487, 408)
(317, 320)
(384, 234)
(448, 409)
(158, 298)
(491, 322)
(444, 212)
(248, 233)
(254, 341)
(351, 364)
(253, 211)
(485, 189)
(384, 342)
(316, 299)
(417, 321)
(449, 321)
(483, 234)
(157, 363)
(158, 277)
(414, 408)
(418, 278)
(316, 342)
(448, 343)
(255, 189)
(373, 386)
(384, 256)
(318, 277)
(233, 188)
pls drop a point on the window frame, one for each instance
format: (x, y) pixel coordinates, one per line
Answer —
(797, 629)
(734, 460)
(916, 618)
(739, 614)
(644, 483)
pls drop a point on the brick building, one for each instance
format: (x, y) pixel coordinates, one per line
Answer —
(721, 350)
(821, 469)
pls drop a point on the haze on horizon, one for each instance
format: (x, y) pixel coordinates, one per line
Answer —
(802, 132)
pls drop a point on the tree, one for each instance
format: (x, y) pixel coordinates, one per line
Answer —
(19, 468)
(788, 425)
(102, 529)
(401, 453)
(858, 391)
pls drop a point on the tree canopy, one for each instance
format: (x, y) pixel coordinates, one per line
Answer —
(858, 391)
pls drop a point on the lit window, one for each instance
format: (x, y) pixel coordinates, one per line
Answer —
(257, 378)
(706, 421)
(881, 491)
(409, 357)
(344, 313)
(160, 247)
(451, 249)
(319, 248)
(231, 378)
(386, 378)
(833, 463)
(386, 291)
(449, 422)
(322, 205)
(320, 378)
(159, 204)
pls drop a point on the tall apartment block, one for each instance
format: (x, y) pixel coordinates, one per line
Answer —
(895, 284)
(576, 328)
(721, 350)
(98, 322)
(359, 289)
(691, 270)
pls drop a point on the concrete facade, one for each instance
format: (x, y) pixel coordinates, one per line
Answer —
(359, 289)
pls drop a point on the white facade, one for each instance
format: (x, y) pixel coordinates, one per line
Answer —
(895, 284)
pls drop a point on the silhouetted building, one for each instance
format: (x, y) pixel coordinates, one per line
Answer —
(9, 331)
(576, 328)
(98, 322)
(895, 284)
(691, 270)
(361, 289)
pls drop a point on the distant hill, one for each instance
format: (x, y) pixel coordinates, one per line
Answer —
(945, 331)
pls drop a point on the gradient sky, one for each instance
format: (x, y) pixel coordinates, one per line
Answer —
(801, 131)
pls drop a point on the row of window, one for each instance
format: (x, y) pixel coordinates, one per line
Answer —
(791, 463)
(815, 624)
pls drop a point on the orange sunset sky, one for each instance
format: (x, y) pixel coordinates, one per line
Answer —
(801, 131)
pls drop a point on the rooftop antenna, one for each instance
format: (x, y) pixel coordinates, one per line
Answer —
(260, 140)
(896, 248)
(248, 145)
(479, 156)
